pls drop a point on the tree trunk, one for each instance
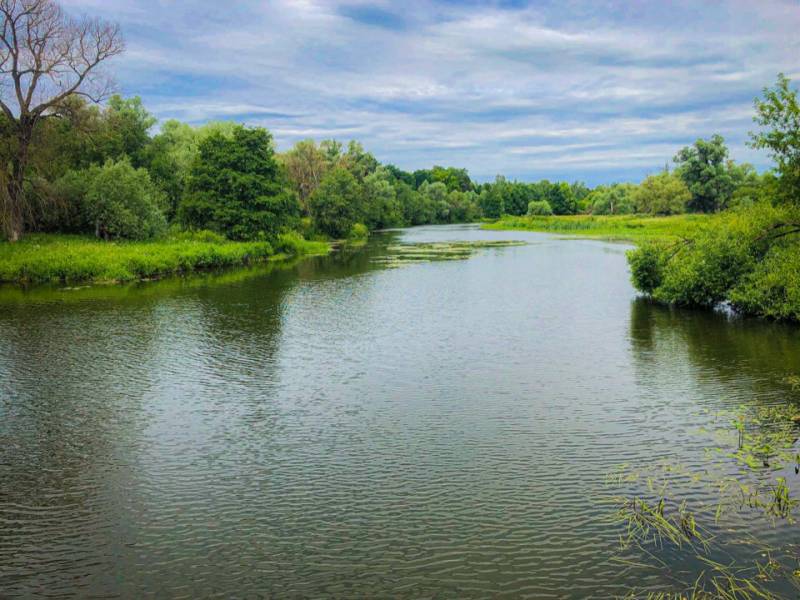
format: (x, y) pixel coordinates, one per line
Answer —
(14, 213)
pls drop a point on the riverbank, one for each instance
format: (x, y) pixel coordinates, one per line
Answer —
(632, 228)
(48, 258)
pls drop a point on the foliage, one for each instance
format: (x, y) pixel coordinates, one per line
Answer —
(662, 194)
(704, 168)
(358, 232)
(616, 199)
(618, 227)
(539, 208)
(122, 202)
(335, 204)
(779, 113)
(237, 187)
(748, 258)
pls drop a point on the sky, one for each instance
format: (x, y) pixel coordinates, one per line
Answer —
(591, 90)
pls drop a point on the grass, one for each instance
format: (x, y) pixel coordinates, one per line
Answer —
(632, 228)
(48, 258)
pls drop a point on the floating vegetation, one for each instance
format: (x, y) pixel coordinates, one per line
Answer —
(406, 254)
(715, 537)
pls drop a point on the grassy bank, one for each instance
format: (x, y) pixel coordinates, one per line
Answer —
(69, 259)
(634, 228)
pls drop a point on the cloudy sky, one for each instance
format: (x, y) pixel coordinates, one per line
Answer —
(596, 90)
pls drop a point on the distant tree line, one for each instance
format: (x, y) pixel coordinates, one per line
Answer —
(69, 165)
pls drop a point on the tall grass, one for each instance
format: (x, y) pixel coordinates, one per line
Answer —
(60, 258)
(617, 227)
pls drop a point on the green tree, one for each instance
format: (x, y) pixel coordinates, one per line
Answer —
(454, 179)
(615, 199)
(127, 127)
(335, 204)
(539, 208)
(491, 199)
(306, 165)
(778, 113)
(704, 168)
(237, 188)
(662, 194)
(561, 199)
(122, 202)
(380, 200)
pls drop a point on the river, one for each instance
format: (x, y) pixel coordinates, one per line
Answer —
(348, 427)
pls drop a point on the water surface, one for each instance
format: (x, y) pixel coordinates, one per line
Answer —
(342, 428)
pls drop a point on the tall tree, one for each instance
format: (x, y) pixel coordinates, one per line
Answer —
(779, 114)
(704, 168)
(46, 57)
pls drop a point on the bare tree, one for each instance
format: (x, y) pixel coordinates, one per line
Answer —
(46, 57)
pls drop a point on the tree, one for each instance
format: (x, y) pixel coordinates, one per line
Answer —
(127, 130)
(237, 188)
(380, 201)
(779, 114)
(616, 199)
(46, 57)
(491, 199)
(335, 205)
(561, 199)
(662, 194)
(539, 208)
(704, 168)
(122, 202)
(306, 165)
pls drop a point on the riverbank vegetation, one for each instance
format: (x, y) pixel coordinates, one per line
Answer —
(70, 259)
(630, 228)
(750, 258)
(70, 167)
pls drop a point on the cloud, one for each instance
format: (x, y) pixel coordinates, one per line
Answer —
(588, 89)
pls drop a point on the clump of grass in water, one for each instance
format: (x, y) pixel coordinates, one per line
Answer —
(765, 439)
(406, 254)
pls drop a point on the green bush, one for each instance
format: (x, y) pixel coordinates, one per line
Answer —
(749, 258)
(122, 202)
(539, 208)
(358, 232)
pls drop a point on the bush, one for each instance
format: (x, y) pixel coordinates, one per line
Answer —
(358, 232)
(122, 202)
(539, 208)
(749, 258)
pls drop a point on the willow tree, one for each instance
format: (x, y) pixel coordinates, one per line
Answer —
(46, 58)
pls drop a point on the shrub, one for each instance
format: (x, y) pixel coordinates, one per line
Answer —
(539, 208)
(358, 232)
(122, 202)
(749, 258)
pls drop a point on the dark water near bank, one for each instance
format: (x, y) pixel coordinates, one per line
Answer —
(340, 428)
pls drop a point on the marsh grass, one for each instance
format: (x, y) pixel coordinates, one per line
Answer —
(632, 228)
(659, 510)
(65, 259)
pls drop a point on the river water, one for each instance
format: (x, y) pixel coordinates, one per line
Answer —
(345, 427)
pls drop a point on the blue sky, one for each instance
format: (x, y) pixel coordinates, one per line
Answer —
(592, 90)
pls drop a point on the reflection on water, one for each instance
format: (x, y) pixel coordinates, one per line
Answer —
(334, 427)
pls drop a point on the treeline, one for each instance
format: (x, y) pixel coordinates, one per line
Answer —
(99, 170)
